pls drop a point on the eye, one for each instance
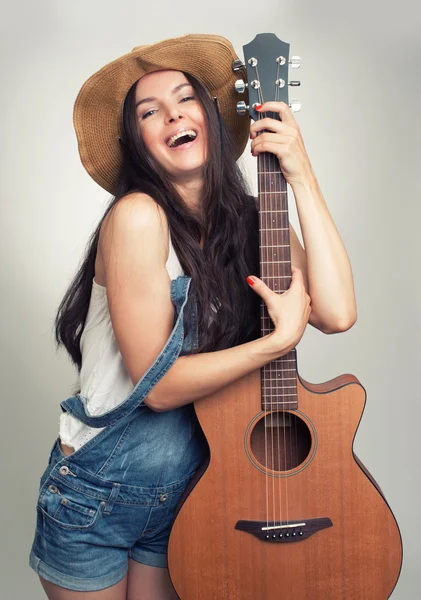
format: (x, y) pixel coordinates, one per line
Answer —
(148, 113)
(187, 98)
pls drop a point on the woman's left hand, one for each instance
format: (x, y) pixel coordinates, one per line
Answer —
(284, 140)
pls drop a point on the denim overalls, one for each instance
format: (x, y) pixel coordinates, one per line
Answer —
(115, 497)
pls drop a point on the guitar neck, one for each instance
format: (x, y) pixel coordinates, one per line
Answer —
(279, 378)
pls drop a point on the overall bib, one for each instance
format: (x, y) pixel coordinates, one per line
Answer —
(115, 497)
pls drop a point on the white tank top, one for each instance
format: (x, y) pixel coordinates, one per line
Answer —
(104, 378)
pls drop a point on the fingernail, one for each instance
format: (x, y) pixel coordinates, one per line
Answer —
(257, 106)
(250, 280)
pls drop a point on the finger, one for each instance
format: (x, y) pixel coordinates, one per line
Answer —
(284, 111)
(277, 138)
(260, 287)
(273, 147)
(296, 275)
(269, 124)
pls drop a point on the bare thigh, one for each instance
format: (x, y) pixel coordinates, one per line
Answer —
(149, 583)
(56, 592)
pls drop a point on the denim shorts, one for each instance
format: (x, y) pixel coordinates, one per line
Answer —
(88, 527)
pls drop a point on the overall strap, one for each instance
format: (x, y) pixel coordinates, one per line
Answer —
(77, 405)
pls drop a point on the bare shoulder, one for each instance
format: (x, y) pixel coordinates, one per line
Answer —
(136, 216)
(135, 213)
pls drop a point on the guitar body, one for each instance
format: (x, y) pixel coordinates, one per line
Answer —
(358, 557)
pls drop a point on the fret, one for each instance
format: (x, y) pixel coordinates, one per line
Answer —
(276, 276)
(283, 402)
(274, 262)
(280, 372)
(294, 394)
(274, 229)
(273, 192)
(284, 387)
(273, 211)
(277, 246)
(282, 359)
(283, 379)
(282, 396)
(268, 172)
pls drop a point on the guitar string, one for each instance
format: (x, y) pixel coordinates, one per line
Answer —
(283, 378)
(271, 420)
(265, 370)
(278, 222)
(273, 242)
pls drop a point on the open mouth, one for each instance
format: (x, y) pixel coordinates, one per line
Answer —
(182, 139)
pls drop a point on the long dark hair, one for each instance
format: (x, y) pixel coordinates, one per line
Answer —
(227, 222)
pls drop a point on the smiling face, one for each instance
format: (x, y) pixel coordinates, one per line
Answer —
(167, 106)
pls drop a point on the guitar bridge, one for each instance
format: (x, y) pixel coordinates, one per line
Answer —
(284, 531)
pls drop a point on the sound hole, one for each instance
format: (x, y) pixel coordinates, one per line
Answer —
(280, 441)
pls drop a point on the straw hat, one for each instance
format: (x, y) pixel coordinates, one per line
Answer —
(97, 113)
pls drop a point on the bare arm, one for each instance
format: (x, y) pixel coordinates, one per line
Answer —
(324, 262)
(134, 249)
(197, 375)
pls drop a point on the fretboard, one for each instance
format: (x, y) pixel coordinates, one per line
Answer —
(279, 378)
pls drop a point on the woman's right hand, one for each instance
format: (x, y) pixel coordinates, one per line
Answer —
(289, 311)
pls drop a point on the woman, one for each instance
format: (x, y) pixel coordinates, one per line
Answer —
(160, 313)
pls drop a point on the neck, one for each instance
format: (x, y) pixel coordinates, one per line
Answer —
(191, 192)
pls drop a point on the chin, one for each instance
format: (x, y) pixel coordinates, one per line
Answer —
(194, 168)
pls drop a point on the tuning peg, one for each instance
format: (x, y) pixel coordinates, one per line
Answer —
(295, 62)
(240, 86)
(237, 65)
(242, 107)
(294, 83)
(295, 105)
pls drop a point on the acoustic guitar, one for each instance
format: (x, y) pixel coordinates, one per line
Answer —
(284, 510)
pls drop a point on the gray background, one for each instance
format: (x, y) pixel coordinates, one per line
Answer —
(360, 95)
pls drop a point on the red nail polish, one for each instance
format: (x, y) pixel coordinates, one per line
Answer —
(257, 106)
(250, 280)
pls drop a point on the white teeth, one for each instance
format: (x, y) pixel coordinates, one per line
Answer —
(180, 134)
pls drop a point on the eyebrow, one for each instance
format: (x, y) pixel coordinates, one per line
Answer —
(152, 98)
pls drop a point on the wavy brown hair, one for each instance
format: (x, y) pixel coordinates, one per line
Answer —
(228, 224)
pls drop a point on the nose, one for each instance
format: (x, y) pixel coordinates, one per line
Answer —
(173, 114)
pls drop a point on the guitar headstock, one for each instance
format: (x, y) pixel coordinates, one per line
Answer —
(267, 62)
